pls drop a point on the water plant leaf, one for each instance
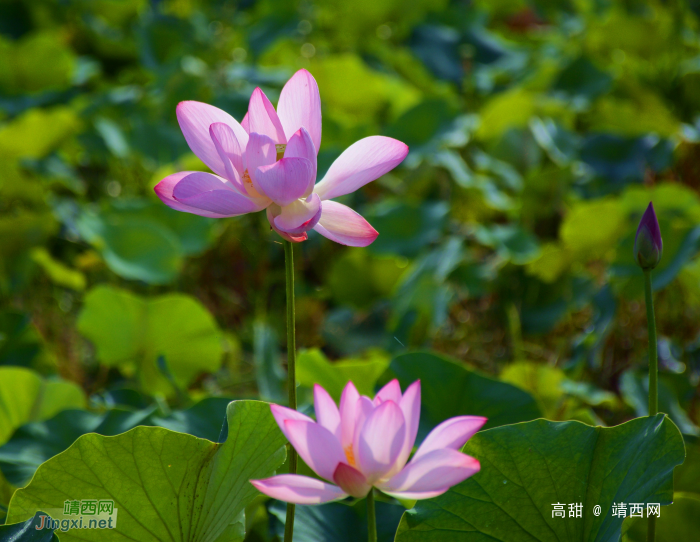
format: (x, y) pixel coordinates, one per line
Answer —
(451, 389)
(131, 332)
(527, 467)
(25, 397)
(165, 485)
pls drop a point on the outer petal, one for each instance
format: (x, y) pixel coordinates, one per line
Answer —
(263, 119)
(416, 496)
(299, 216)
(245, 124)
(194, 119)
(298, 489)
(164, 190)
(452, 434)
(300, 105)
(327, 412)
(351, 480)
(282, 414)
(410, 406)
(212, 194)
(227, 146)
(348, 407)
(341, 224)
(381, 440)
(435, 471)
(361, 163)
(284, 181)
(390, 392)
(316, 445)
(273, 211)
(301, 146)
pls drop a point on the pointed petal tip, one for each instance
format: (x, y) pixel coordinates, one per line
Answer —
(341, 224)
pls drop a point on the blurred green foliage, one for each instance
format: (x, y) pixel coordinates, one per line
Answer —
(538, 133)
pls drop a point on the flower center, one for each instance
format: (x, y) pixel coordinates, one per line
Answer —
(248, 184)
(280, 150)
(350, 455)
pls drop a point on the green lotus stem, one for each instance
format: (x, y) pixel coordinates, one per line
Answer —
(371, 518)
(653, 349)
(653, 372)
(291, 372)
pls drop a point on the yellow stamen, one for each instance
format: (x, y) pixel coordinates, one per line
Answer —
(248, 184)
(350, 454)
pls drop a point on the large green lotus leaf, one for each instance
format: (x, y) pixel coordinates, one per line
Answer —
(36, 442)
(28, 531)
(314, 368)
(678, 522)
(203, 419)
(134, 247)
(132, 332)
(26, 397)
(337, 522)
(166, 486)
(527, 467)
(450, 389)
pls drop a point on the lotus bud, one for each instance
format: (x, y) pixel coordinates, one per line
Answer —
(648, 245)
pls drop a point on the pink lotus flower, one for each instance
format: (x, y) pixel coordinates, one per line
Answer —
(248, 177)
(366, 444)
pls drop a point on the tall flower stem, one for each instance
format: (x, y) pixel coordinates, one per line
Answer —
(371, 518)
(653, 372)
(291, 372)
(653, 349)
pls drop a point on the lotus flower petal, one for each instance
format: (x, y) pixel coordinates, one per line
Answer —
(434, 471)
(301, 146)
(452, 434)
(284, 181)
(211, 194)
(298, 489)
(195, 118)
(341, 224)
(316, 445)
(351, 480)
(263, 119)
(381, 441)
(282, 414)
(299, 216)
(300, 105)
(361, 163)
(390, 392)
(327, 412)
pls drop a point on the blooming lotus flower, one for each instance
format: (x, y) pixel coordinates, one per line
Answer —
(648, 245)
(366, 444)
(268, 161)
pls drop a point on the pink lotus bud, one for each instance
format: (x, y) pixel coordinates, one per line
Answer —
(648, 244)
